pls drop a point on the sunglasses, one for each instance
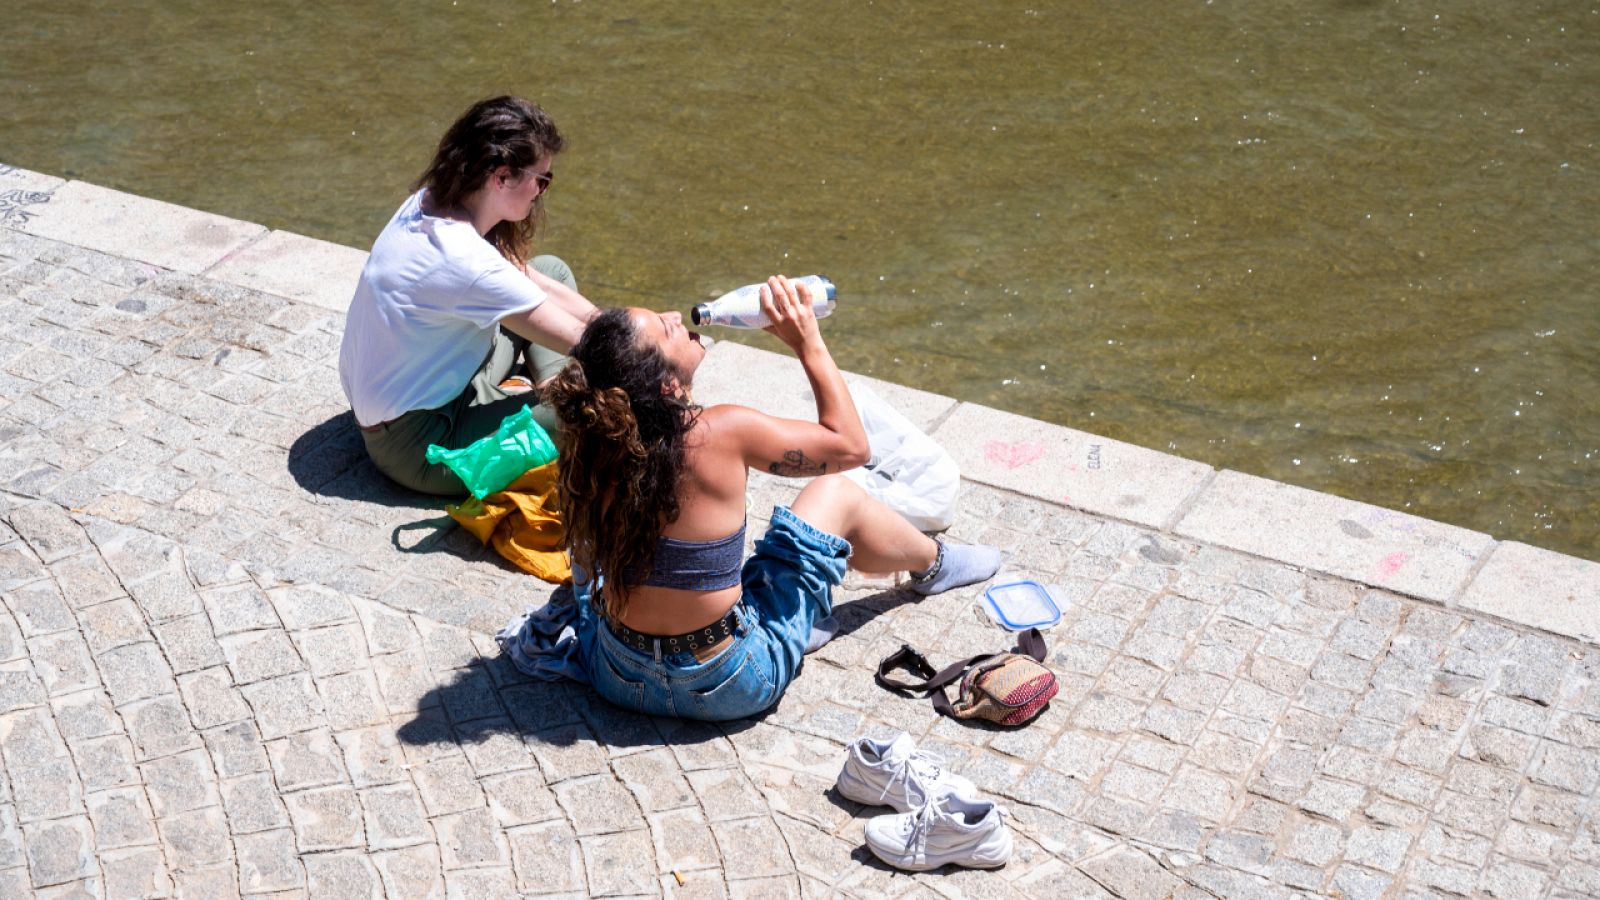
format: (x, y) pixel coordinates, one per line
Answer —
(545, 180)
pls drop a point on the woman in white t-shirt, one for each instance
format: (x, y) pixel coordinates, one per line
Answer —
(451, 324)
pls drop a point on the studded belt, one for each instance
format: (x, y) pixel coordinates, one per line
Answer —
(709, 636)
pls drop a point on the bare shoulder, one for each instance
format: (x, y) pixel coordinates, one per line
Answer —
(715, 461)
(731, 416)
(736, 429)
(717, 427)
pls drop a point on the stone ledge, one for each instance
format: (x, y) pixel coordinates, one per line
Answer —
(1358, 541)
(1295, 526)
(137, 228)
(1039, 459)
(1069, 467)
(297, 267)
(1540, 588)
(13, 178)
(23, 194)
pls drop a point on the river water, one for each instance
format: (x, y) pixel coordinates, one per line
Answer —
(1348, 244)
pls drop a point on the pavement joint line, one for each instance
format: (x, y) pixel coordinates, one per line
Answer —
(945, 416)
(1173, 521)
(1478, 565)
(231, 254)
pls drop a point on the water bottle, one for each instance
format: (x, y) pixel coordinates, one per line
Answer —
(741, 308)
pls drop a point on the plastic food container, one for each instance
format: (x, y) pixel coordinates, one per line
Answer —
(1020, 605)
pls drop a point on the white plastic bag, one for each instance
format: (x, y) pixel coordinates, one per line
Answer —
(909, 472)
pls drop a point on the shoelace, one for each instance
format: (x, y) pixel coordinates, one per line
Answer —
(918, 764)
(921, 823)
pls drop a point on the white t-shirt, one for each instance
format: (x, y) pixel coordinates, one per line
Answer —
(424, 314)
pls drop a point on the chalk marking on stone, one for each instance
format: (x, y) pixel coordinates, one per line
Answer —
(1013, 456)
(1392, 563)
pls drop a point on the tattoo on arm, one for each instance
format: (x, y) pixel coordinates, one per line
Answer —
(795, 464)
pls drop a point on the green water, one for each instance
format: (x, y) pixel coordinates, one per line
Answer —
(1348, 244)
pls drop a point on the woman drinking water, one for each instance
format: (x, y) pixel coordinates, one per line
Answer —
(675, 621)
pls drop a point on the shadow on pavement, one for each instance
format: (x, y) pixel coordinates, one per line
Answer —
(330, 460)
(437, 534)
(327, 451)
(851, 615)
(492, 697)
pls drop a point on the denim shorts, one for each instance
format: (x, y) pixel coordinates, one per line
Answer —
(788, 584)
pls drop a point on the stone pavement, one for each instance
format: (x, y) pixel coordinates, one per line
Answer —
(235, 661)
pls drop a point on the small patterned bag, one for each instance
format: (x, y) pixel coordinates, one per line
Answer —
(1007, 688)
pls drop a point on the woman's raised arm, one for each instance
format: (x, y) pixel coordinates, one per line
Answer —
(792, 447)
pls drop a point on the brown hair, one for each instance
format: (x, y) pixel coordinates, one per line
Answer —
(500, 131)
(622, 451)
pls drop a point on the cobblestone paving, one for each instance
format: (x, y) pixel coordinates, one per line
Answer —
(234, 661)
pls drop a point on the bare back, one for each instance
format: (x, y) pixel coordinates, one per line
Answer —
(711, 496)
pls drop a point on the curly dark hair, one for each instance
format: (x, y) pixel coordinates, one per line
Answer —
(622, 451)
(500, 131)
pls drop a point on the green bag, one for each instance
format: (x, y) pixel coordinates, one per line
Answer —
(494, 461)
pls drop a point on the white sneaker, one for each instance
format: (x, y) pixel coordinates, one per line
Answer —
(892, 773)
(951, 829)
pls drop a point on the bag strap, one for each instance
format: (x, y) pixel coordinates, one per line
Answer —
(1029, 642)
(907, 657)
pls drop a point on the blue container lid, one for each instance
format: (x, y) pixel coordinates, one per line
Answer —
(1022, 604)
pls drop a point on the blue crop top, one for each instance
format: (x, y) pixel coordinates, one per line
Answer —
(697, 565)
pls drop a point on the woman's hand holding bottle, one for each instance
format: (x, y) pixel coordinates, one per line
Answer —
(787, 305)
